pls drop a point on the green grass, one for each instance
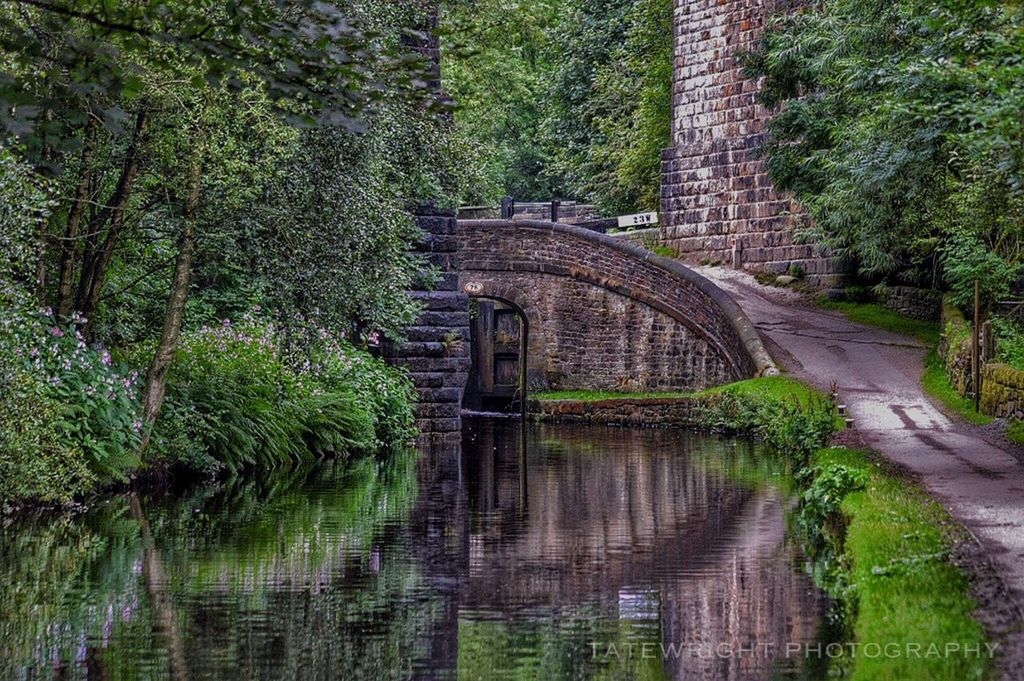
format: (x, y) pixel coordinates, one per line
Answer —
(665, 251)
(873, 314)
(907, 591)
(936, 383)
(1015, 432)
(771, 386)
(768, 386)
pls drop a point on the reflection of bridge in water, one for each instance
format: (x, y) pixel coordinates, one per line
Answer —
(626, 523)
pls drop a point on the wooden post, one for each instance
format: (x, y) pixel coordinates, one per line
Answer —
(976, 346)
(508, 208)
(988, 343)
(554, 210)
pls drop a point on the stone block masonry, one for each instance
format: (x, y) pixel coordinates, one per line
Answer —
(716, 196)
(436, 350)
(604, 313)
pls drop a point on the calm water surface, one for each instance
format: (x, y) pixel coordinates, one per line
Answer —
(588, 553)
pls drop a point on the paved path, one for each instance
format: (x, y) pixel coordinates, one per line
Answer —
(878, 375)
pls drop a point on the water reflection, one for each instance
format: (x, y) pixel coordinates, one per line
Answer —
(578, 556)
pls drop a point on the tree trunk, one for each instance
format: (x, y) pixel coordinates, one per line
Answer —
(158, 587)
(67, 251)
(95, 263)
(156, 378)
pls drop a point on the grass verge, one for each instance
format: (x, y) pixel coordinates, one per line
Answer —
(936, 383)
(873, 314)
(780, 387)
(768, 386)
(1015, 432)
(905, 591)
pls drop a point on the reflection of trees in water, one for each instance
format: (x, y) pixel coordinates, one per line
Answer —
(463, 562)
(244, 569)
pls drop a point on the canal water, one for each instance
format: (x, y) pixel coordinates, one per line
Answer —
(550, 552)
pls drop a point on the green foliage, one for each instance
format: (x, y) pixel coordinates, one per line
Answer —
(23, 212)
(563, 98)
(38, 461)
(967, 259)
(936, 383)
(1015, 432)
(245, 394)
(899, 127)
(317, 62)
(887, 560)
(96, 407)
(158, 117)
(329, 239)
(619, 166)
(1009, 337)
(68, 416)
(497, 57)
(788, 425)
(826, 487)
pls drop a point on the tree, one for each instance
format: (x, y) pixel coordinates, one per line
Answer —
(139, 105)
(498, 60)
(900, 127)
(564, 98)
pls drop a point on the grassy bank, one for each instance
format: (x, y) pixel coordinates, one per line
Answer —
(936, 383)
(245, 394)
(879, 316)
(770, 386)
(893, 571)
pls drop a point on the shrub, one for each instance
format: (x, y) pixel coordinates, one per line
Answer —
(91, 407)
(1009, 342)
(788, 425)
(966, 259)
(37, 459)
(254, 393)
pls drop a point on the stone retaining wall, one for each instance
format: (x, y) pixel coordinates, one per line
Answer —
(675, 412)
(916, 303)
(1002, 391)
(1002, 386)
(955, 348)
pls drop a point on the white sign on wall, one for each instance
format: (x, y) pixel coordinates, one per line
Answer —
(638, 220)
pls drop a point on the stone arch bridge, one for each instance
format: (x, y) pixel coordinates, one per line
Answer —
(599, 312)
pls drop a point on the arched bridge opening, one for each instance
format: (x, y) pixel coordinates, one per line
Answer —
(499, 334)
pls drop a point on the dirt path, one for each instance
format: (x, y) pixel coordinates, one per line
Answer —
(878, 375)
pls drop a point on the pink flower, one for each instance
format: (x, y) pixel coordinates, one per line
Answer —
(57, 332)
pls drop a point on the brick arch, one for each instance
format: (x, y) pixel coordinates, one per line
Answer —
(605, 313)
